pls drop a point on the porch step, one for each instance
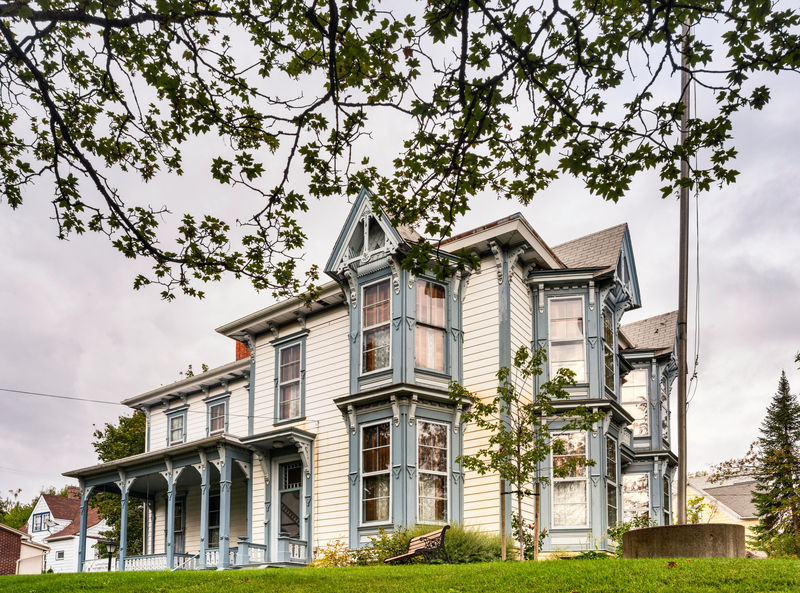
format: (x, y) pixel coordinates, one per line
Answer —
(271, 565)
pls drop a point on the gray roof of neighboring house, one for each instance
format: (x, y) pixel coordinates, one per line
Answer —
(598, 250)
(735, 493)
(654, 333)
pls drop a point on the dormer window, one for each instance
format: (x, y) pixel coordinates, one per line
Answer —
(376, 327)
(430, 326)
(567, 349)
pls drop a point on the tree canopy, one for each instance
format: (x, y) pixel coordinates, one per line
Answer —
(481, 97)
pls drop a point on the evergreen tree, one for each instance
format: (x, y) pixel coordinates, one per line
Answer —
(778, 474)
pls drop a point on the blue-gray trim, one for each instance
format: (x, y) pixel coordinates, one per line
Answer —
(85, 496)
(222, 398)
(225, 509)
(505, 357)
(280, 344)
(205, 495)
(251, 393)
(123, 521)
(170, 522)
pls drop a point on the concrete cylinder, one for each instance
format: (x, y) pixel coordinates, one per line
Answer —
(710, 540)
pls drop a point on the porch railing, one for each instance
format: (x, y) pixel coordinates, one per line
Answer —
(291, 550)
(190, 563)
(251, 553)
(212, 557)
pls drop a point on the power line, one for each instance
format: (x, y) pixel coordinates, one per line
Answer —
(80, 399)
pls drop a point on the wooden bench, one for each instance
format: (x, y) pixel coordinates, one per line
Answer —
(429, 546)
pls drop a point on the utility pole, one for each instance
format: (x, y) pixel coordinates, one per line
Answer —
(683, 286)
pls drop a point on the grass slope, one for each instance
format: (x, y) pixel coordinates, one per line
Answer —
(585, 576)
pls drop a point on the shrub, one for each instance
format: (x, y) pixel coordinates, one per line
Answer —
(620, 529)
(335, 554)
(528, 536)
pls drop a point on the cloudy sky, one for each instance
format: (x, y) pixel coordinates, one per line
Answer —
(73, 326)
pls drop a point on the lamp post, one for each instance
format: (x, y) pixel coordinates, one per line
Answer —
(111, 547)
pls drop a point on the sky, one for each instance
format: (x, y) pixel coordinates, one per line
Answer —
(73, 326)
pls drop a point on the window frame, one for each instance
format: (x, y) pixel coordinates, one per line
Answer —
(649, 490)
(362, 474)
(443, 329)
(550, 302)
(584, 479)
(446, 473)
(630, 402)
(213, 493)
(42, 518)
(609, 350)
(612, 482)
(59, 555)
(363, 328)
(213, 402)
(173, 414)
(281, 344)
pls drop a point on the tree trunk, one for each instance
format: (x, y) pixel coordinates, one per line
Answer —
(536, 508)
(520, 525)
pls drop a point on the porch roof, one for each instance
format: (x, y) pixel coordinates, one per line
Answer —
(159, 454)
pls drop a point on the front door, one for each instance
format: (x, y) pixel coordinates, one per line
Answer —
(289, 494)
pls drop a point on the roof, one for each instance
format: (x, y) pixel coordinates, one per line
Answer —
(654, 333)
(598, 250)
(69, 509)
(735, 493)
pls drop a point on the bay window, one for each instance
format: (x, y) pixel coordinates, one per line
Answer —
(634, 400)
(567, 349)
(664, 414)
(432, 464)
(608, 349)
(376, 467)
(611, 481)
(635, 496)
(570, 493)
(430, 326)
(376, 327)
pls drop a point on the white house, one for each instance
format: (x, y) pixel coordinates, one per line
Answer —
(337, 420)
(55, 522)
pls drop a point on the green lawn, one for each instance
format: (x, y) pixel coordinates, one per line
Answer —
(581, 576)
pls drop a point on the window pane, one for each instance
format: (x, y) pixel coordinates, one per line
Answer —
(376, 304)
(290, 401)
(376, 349)
(217, 418)
(375, 449)
(569, 504)
(432, 498)
(639, 413)
(611, 459)
(611, 498)
(376, 498)
(290, 513)
(430, 303)
(635, 495)
(429, 348)
(292, 475)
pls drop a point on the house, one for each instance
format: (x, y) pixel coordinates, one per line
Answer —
(335, 420)
(19, 554)
(55, 522)
(726, 501)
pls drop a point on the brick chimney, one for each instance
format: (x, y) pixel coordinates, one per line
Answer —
(241, 351)
(73, 492)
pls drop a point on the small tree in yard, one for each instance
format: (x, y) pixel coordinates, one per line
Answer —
(774, 462)
(521, 437)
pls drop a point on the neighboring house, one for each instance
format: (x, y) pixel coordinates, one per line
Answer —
(19, 554)
(335, 419)
(55, 521)
(728, 501)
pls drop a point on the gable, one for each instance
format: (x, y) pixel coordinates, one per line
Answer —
(626, 270)
(366, 236)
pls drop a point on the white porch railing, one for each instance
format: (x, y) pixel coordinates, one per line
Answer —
(212, 557)
(148, 562)
(190, 563)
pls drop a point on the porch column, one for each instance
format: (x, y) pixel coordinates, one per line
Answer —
(86, 492)
(205, 492)
(123, 520)
(152, 506)
(224, 509)
(170, 516)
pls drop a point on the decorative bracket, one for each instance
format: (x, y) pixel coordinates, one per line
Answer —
(412, 411)
(203, 459)
(206, 391)
(351, 413)
(395, 410)
(411, 279)
(395, 266)
(273, 328)
(457, 419)
(456, 284)
(250, 342)
(653, 369)
(591, 295)
(351, 283)
(513, 257)
(224, 383)
(245, 467)
(301, 319)
(541, 298)
(304, 448)
(498, 260)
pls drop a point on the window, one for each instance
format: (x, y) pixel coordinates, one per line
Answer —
(40, 521)
(290, 487)
(60, 555)
(608, 346)
(213, 518)
(566, 337)
(179, 526)
(667, 500)
(432, 471)
(664, 414)
(375, 472)
(570, 492)
(216, 418)
(634, 400)
(611, 481)
(635, 496)
(430, 326)
(376, 326)
(289, 388)
(177, 431)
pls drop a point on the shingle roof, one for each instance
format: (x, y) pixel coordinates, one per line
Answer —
(598, 250)
(736, 494)
(69, 509)
(654, 333)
